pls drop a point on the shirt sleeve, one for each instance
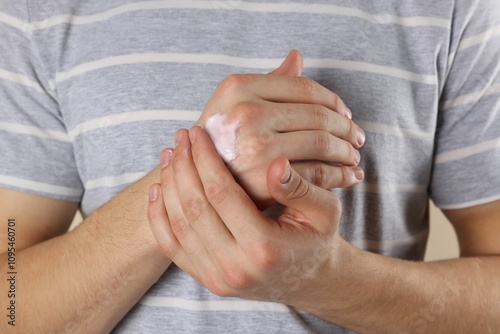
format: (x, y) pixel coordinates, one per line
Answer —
(37, 154)
(466, 169)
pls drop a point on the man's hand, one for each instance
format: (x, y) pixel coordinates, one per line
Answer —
(214, 231)
(208, 226)
(283, 114)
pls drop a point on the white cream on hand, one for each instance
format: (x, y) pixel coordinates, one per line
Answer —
(223, 135)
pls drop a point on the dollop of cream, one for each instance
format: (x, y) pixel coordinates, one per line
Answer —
(223, 135)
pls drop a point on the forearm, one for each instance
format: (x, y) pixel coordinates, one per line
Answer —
(376, 294)
(86, 280)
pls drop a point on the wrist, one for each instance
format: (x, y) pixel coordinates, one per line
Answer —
(328, 291)
(357, 286)
(122, 223)
(130, 238)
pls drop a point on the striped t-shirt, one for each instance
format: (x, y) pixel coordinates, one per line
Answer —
(93, 90)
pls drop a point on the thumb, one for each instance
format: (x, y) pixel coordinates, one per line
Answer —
(318, 206)
(292, 65)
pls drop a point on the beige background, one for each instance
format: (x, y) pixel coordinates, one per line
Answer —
(442, 240)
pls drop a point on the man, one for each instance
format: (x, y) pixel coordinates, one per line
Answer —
(86, 84)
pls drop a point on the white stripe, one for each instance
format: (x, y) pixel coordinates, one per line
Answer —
(358, 66)
(20, 79)
(134, 116)
(34, 131)
(114, 181)
(244, 6)
(391, 130)
(213, 305)
(388, 245)
(471, 98)
(473, 40)
(14, 22)
(39, 186)
(470, 203)
(189, 115)
(253, 63)
(467, 151)
(478, 39)
(388, 188)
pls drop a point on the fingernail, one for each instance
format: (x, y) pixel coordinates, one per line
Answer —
(153, 193)
(165, 158)
(286, 176)
(357, 158)
(192, 136)
(178, 137)
(361, 137)
(359, 174)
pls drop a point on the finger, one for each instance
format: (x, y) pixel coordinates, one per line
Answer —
(168, 243)
(160, 227)
(200, 260)
(222, 191)
(319, 207)
(210, 225)
(196, 209)
(292, 65)
(292, 89)
(288, 117)
(327, 176)
(316, 145)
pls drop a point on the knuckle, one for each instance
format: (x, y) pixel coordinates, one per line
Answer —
(254, 126)
(267, 256)
(193, 208)
(167, 248)
(347, 153)
(216, 193)
(245, 112)
(254, 146)
(346, 176)
(179, 226)
(319, 176)
(336, 101)
(232, 83)
(322, 141)
(237, 278)
(298, 189)
(218, 287)
(320, 115)
(282, 119)
(305, 85)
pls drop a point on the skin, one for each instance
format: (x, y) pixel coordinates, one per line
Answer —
(86, 280)
(215, 232)
(308, 123)
(67, 281)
